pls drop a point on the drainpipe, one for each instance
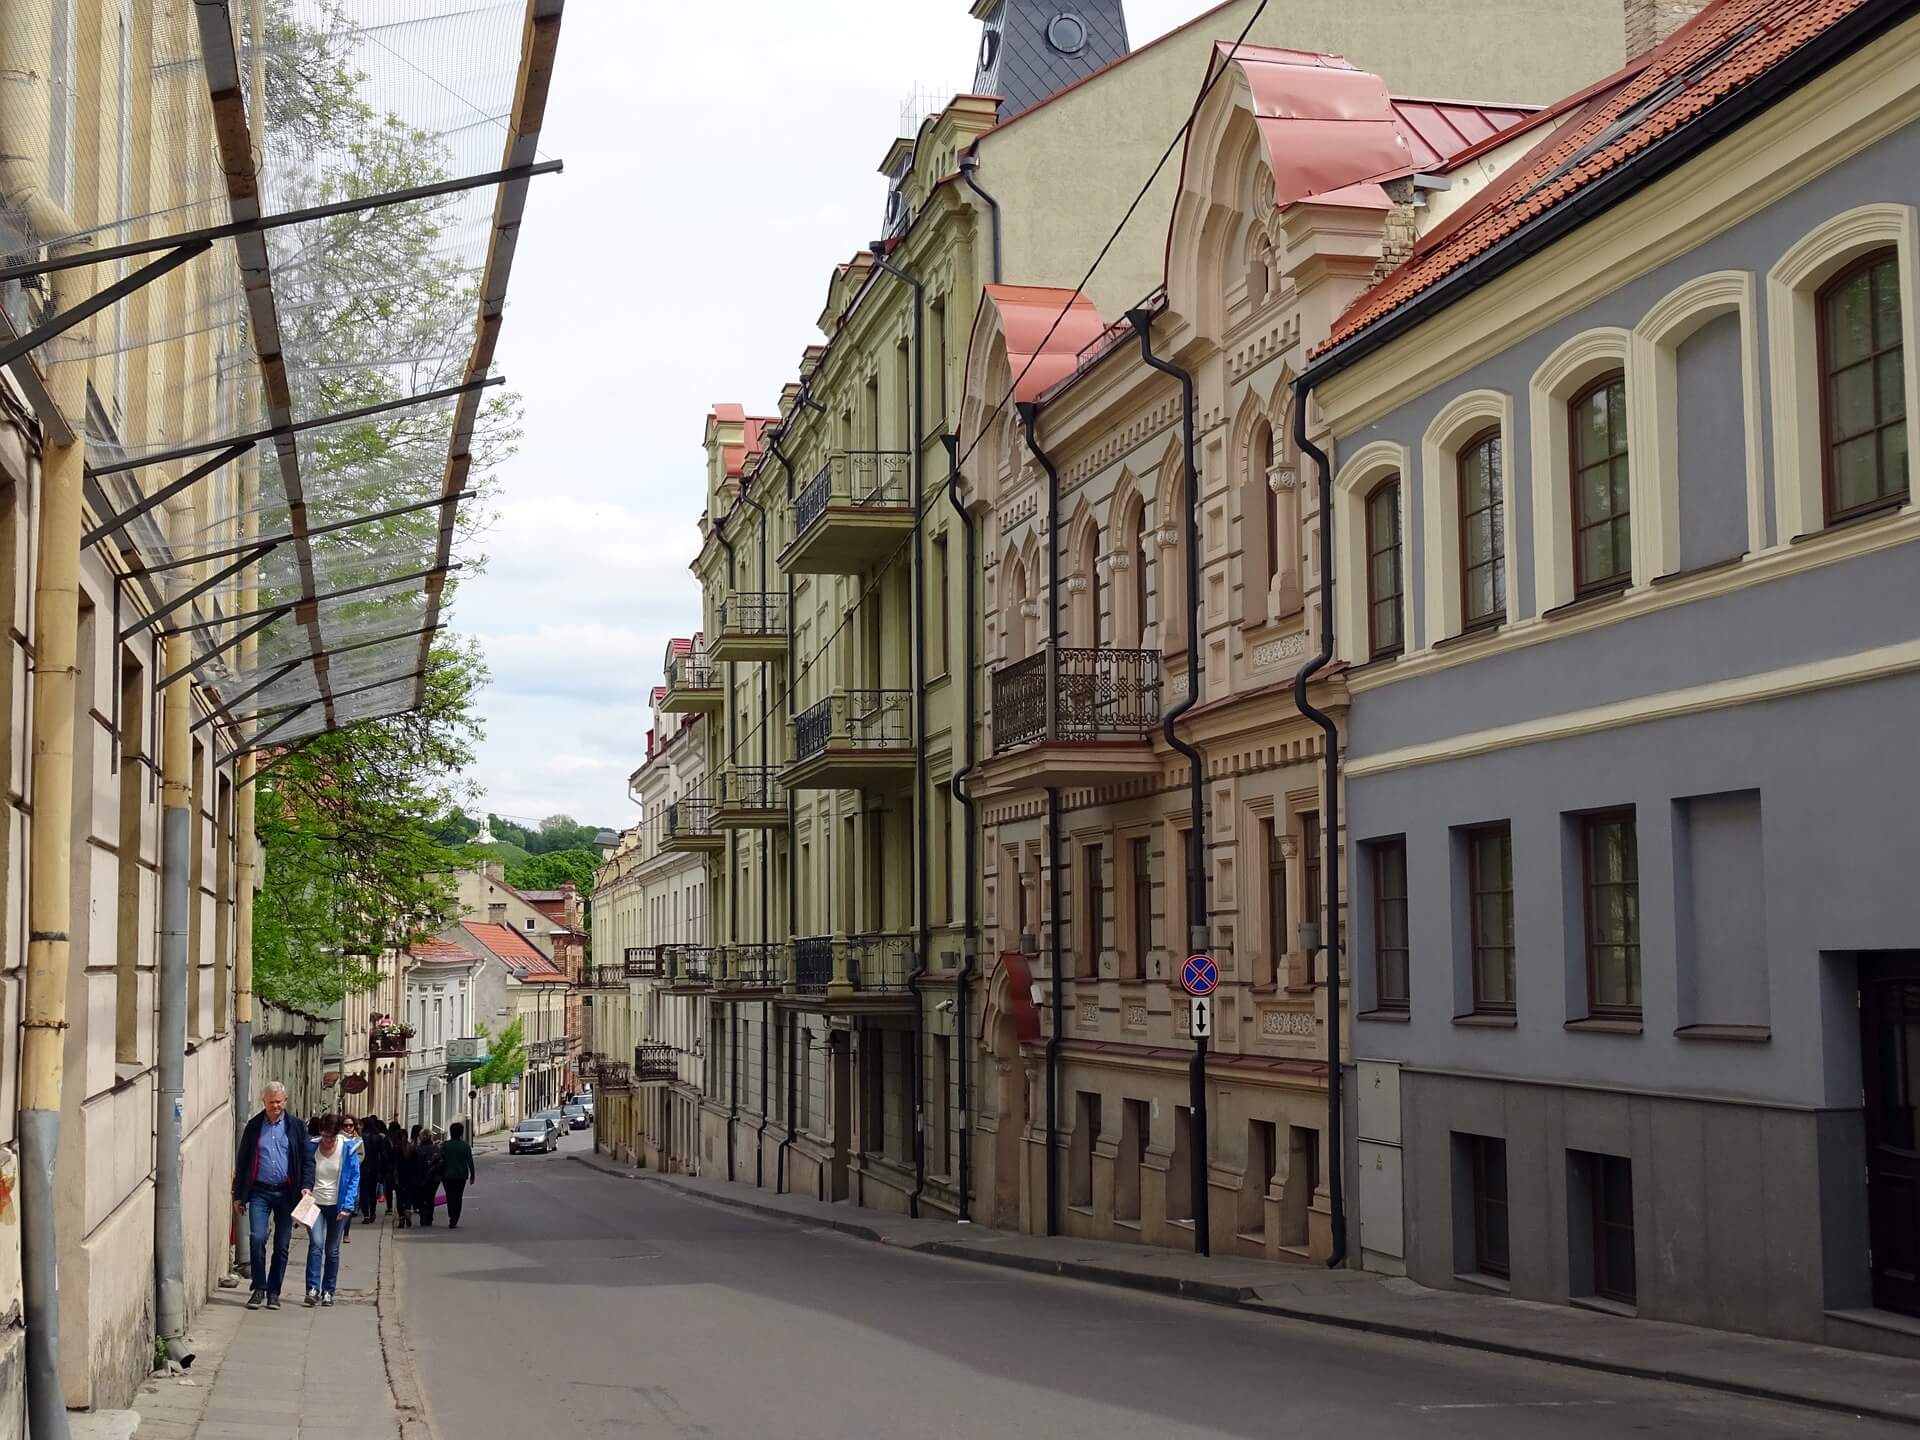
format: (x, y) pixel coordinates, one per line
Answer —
(733, 889)
(766, 841)
(1336, 1141)
(1199, 929)
(915, 428)
(26, 108)
(1029, 412)
(793, 1129)
(969, 174)
(970, 944)
(176, 849)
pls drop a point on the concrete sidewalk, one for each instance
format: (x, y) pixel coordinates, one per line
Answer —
(290, 1374)
(1844, 1381)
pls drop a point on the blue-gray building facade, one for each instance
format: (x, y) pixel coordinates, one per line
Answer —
(1655, 848)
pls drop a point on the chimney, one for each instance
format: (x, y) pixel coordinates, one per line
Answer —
(1650, 22)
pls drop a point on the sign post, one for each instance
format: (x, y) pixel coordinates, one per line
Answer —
(1199, 977)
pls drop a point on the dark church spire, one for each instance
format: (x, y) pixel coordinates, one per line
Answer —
(1033, 49)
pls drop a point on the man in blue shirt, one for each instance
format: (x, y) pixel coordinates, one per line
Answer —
(273, 1169)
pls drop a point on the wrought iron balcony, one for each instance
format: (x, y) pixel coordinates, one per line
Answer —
(643, 962)
(752, 965)
(690, 825)
(852, 515)
(853, 739)
(654, 1062)
(1074, 715)
(752, 626)
(693, 683)
(868, 971)
(611, 1076)
(389, 1044)
(689, 967)
(610, 976)
(750, 797)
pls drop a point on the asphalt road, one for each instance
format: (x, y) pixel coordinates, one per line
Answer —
(571, 1303)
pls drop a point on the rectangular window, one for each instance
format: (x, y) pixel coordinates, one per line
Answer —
(1863, 388)
(1489, 1160)
(1483, 532)
(1310, 877)
(940, 362)
(940, 609)
(1140, 864)
(1390, 967)
(1602, 1195)
(1130, 1163)
(1490, 918)
(1602, 534)
(938, 1160)
(1094, 899)
(222, 898)
(196, 880)
(1610, 865)
(131, 930)
(1086, 1134)
(1279, 940)
(1385, 636)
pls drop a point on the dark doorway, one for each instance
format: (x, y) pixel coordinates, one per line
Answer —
(1890, 1059)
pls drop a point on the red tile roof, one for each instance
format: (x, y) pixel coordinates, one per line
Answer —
(433, 951)
(1725, 48)
(514, 948)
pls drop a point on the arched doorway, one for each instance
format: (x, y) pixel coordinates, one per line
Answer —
(1008, 1024)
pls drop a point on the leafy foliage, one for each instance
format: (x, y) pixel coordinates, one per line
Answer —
(352, 865)
(554, 869)
(506, 1055)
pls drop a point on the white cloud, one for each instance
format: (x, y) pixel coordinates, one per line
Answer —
(681, 260)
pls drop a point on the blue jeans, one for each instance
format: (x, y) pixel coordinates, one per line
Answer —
(264, 1204)
(323, 1244)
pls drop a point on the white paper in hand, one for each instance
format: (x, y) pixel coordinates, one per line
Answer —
(306, 1212)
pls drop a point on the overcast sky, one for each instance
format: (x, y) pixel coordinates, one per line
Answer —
(721, 157)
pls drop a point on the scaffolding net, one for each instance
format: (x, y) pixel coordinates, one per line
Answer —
(300, 216)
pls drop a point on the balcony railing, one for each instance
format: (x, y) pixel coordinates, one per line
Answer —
(388, 1044)
(754, 612)
(612, 1075)
(753, 965)
(642, 962)
(687, 964)
(653, 1061)
(856, 720)
(1076, 694)
(856, 478)
(752, 787)
(609, 977)
(693, 683)
(690, 823)
(874, 962)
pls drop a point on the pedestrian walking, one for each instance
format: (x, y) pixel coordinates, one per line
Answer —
(373, 1167)
(430, 1188)
(350, 1135)
(457, 1171)
(271, 1171)
(335, 1170)
(417, 1180)
(402, 1170)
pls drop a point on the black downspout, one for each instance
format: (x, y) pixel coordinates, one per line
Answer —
(1336, 1141)
(766, 842)
(916, 425)
(793, 1132)
(970, 944)
(1057, 900)
(733, 889)
(1198, 918)
(969, 170)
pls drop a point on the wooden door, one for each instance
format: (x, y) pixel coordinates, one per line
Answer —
(1890, 1060)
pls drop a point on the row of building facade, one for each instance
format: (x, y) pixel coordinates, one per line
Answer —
(1454, 563)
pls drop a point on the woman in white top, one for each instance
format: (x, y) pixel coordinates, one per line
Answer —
(336, 1186)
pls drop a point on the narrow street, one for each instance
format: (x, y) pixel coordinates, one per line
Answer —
(572, 1304)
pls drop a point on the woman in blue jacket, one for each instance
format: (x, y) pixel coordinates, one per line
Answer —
(336, 1189)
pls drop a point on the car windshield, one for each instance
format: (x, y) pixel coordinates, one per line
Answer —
(532, 1127)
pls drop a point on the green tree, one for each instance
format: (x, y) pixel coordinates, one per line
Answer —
(351, 864)
(506, 1056)
(554, 869)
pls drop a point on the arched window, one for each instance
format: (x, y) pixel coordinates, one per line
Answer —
(1141, 616)
(1259, 267)
(1483, 530)
(1259, 467)
(1083, 617)
(1863, 388)
(1386, 631)
(1602, 523)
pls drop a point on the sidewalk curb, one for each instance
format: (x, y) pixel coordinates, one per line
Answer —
(409, 1400)
(1248, 1298)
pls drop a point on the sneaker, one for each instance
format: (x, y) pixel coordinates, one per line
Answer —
(273, 1302)
(326, 1300)
(256, 1299)
(313, 1297)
